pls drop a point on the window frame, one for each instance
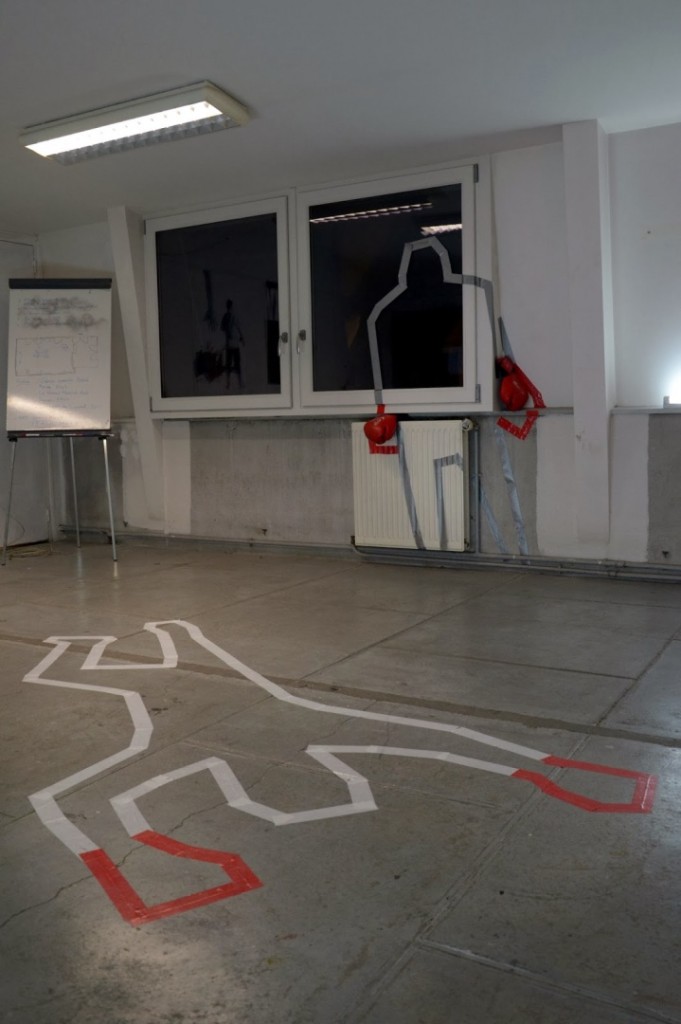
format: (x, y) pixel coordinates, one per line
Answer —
(424, 399)
(297, 398)
(195, 405)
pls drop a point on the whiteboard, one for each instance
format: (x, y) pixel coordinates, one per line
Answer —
(59, 355)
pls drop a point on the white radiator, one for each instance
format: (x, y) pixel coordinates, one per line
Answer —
(418, 496)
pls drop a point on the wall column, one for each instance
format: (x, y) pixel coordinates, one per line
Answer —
(587, 203)
(127, 242)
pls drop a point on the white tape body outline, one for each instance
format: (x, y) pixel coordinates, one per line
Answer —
(124, 804)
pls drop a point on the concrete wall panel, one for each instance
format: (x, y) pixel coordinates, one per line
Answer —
(263, 480)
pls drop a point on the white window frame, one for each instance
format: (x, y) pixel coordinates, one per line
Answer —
(191, 406)
(403, 399)
(297, 397)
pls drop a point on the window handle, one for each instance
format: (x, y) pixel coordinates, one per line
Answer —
(302, 335)
(283, 340)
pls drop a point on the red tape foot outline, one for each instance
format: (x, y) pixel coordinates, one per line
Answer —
(521, 432)
(130, 904)
(641, 802)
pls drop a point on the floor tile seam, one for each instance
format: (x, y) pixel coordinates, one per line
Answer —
(573, 599)
(453, 895)
(391, 645)
(220, 574)
(307, 681)
(145, 755)
(497, 714)
(287, 587)
(602, 999)
(379, 697)
(663, 635)
(375, 643)
(254, 597)
(440, 611)
(20, 641)
(138, 758)
(433, 704)
(459, 888)
(569, 599)
(367, 1000)
(39, 642)
(287, 763)
(19, 819)
(639, 678)
(448, 901)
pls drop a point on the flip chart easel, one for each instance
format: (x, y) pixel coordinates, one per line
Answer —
(14, 438)
(59, 369)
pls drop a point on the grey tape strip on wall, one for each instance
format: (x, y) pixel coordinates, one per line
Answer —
(448, 277)
(408, 492)
(512, 489)
(505, 341)
(492, 523)
(439, 464)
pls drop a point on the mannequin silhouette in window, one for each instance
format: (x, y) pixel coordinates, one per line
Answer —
(234, 339)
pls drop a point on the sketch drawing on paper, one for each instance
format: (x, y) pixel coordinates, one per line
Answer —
(56, 356)
(360, 795)
(74, 312)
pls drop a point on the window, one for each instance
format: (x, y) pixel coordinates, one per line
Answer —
(386, 303)
(384, 309)
(222, 292)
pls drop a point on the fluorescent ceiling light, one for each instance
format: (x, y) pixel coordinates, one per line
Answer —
(164, 117)
(381, 211)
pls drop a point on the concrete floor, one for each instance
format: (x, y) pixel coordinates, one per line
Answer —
(390, 884)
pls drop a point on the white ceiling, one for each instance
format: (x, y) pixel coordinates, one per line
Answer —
(336, 89)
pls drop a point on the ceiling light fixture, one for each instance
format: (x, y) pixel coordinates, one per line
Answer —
(164, 117)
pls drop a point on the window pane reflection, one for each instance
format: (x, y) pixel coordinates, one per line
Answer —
(218, 308)
(356, 249)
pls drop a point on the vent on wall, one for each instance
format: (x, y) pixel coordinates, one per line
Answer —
(416, 497)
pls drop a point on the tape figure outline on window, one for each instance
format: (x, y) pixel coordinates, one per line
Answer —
(386, 425)
(361, 799)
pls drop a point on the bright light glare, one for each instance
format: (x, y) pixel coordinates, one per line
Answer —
(163, 121)
(440, 229)
(41, 410)
(381, 211)
(673, 391)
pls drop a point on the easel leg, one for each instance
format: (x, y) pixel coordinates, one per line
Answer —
(13, 442)
(108, 494)
(75, 492)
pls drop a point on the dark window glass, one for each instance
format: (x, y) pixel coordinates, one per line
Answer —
(218, 308)
(356, 250)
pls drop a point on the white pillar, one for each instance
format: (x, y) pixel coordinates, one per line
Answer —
(587, 202)
(127, 242)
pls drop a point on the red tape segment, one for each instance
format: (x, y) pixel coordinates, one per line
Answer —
(524, 429)
(383, 449)
(641, 802)
(130, 904)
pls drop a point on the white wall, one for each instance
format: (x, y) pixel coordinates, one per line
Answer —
(86, 252)
(529, 211)
(646, 222)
